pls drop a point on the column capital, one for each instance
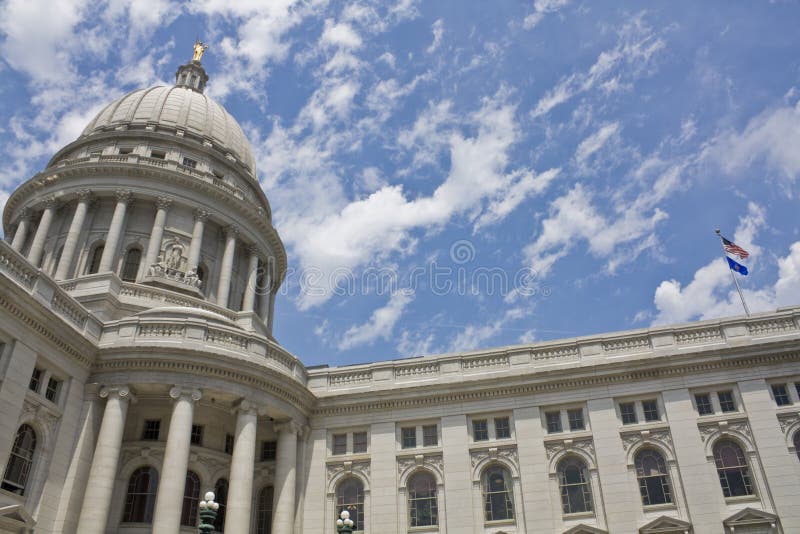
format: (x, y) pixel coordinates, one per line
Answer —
(25, 214)
(179, 392)
(231, 231)
(201, 214)
(92, 389)
(84, 195)
(290, 425)
(117, 390)
(254, 250)
(163, 203)
(50, 202)
(123, 195)
(245, 406)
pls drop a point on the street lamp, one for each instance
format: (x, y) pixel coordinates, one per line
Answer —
(345, 524)
(208, 513)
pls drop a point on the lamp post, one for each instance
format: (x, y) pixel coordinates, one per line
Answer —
(208, 513)
(345, 524)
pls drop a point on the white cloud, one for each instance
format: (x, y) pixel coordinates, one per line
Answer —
(380, 324)
(632, 55)
(520, 188)
(415, 343)
(340, 35)
(771, 137)
(541, 8)
(475, 336)
(595, 142)
(438, 33)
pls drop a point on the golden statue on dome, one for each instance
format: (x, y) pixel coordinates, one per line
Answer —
(199, 48)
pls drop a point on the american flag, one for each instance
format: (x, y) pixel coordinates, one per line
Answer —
(733, 248)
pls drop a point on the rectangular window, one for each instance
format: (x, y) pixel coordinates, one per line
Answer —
(197, 435)
(53, 385)
(650, 409)
(408, 437)
(124, 150)
(228, 443)
(36, 379)
(576, 419)
(502, 428)
(780, 394)
(359, 442)
(152, 430)
(430, 436)
(703, 402)
(340, 444)
(553, 422)
(189, 162)
(726, 401)
(480, 430)
(269, 450)
(158, 154)
(627, 411)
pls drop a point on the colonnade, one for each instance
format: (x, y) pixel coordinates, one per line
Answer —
(124, 198)
(94, 514)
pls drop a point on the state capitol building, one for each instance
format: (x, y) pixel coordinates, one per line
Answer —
(138, 371)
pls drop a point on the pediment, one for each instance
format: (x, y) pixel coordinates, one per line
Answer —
(17, 513)
(585, 529)
(666, 525)
(750, 516)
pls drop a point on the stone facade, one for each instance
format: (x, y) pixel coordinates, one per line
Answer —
(138, 370)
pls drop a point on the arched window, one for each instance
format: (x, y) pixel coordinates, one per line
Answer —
(264, 511)
(576, 487)
(651, 472)
(191, 498)
(20, 461)
(797, 443)
(350, 497)
(131, 266)
(94, 259)
(141, 498)
(498, 497)
(732, 468)
(221, 496)
(422, 506)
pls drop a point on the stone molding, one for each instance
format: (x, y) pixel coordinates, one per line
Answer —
(290, 426)
(430, 461)
(164, 203)
(185, 392)
(246, 407)
(201, 214)
(123, 196)
(121, 391)
(84, 195)
(558, 447)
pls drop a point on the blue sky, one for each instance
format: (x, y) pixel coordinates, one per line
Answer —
(456, 175)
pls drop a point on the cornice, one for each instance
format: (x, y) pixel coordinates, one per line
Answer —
(349, 403)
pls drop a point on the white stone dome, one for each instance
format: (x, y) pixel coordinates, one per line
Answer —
(177, 109)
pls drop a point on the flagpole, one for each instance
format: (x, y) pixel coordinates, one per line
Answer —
(733, 276)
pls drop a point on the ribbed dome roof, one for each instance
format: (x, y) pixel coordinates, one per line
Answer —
(177, 108)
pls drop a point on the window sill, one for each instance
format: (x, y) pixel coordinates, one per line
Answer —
(742, 498)
(499, 522)
(432, 528)
(15, 496)
(646, 425)
(659, 507)
(578, 515)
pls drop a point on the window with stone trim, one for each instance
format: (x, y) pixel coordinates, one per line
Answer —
(732, 469)
(430, 435)
(269, 450)
(36, 379)
(480, 430)
(575, 418)
(191, 499)
(727, 402)
(264, 510)
(339, 444)
(350, 497)
(140, 499)
(653, 477)
(575, 485)
(152, 430)
(650, 410)
(498, 495)
(94, 259)
(408, 437)
(197, 435)
(422, 505)
(20, 461)
(627, 410)
(502, 428)
(359, 442)
(130, 268)
(704, 404)
(553, 422)
(53, 388)
(781, 395)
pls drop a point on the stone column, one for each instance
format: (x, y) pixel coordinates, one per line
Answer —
(224, 288)
(200, 217)
(103, 473)
(37, 247)
(157, 233)
(22, 230)
(74, 232)
(285, 478)
(169, 499)
(266, 291)
(115, 230)
(248, 304)
(240, 494)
